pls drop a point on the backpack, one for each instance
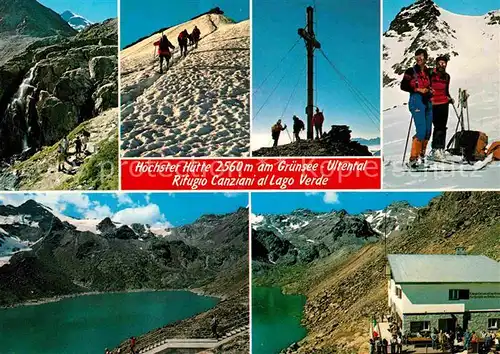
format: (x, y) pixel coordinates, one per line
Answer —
(275, 129)
(470, 144)
(495, 150)
(301, 124)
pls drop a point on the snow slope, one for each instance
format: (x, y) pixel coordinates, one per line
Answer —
(473, 43)
(200, 107)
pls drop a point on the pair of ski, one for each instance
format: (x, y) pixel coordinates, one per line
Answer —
(449, 166)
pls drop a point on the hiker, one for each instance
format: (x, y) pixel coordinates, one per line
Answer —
(451, 341)
(183, 42)
(62, 151)
(276, 130)
(298, 126)
(85, 140)
(317, 121)
(394, 343)
(132, 345)
(440, 83)
(434, 339)
(78, 146)
(195, 36)
(488, 341)
(164, 46)
(378, 345)
(384, 346)
(416, 81)
(474, 341)
(467, 337)
(213, 324)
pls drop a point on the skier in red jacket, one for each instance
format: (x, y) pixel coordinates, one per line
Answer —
(416, 81)
(164, 47)
(440, 82)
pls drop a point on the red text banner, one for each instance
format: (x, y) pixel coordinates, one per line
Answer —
(248, 174)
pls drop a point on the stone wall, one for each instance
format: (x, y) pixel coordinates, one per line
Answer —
(478, 321)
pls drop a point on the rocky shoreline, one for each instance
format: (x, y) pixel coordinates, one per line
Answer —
(48, 300)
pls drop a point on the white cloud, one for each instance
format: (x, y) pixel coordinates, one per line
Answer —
(98, 212)
(59, 202)
(308, 194)
(123, 199)
(331, 198)
(149, 214)
(56, 201)
(232, 195)
(328, 197)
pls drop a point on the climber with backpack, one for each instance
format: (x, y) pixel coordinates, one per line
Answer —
(183, 42)
(276, 130)
(298, 126)
(441, 99)
(416, 81)
(164, 46)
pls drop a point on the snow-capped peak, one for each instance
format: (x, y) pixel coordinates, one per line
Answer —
(78, 22)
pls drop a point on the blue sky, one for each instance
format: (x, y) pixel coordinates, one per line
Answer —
(350, 37)
(462, 7)
(93, 10)
(140, 18)
(152, 208)
(353, 202)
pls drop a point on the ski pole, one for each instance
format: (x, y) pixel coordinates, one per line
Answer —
(407, 139)
(289, 137)
(458, 117)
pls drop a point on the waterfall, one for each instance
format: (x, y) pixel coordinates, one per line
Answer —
(18, 104)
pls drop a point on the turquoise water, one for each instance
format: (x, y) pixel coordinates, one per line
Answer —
(275, 320)
(89, 324)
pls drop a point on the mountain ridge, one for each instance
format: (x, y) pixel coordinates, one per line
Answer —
(117, 258)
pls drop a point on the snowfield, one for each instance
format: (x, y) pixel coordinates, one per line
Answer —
(200, 107)
(475, 68)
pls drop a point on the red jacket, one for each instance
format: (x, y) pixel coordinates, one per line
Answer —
(415, 78)
(165, 51)
(440, 85)
(318, 118)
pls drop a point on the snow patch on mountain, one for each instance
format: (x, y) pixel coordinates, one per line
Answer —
(78, 22)
(17, 219)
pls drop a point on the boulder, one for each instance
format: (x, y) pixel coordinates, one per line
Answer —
(56, 119)
(74, 86)
(102, 67)
(106, 226)
(105, 97)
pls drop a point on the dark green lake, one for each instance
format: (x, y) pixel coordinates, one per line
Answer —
(275, 320)
(89, 324)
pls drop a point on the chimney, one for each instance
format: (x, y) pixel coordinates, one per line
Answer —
(460, 251)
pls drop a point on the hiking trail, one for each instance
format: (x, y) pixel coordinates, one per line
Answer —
(200, 106)
(40, 171)
(199, 343)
